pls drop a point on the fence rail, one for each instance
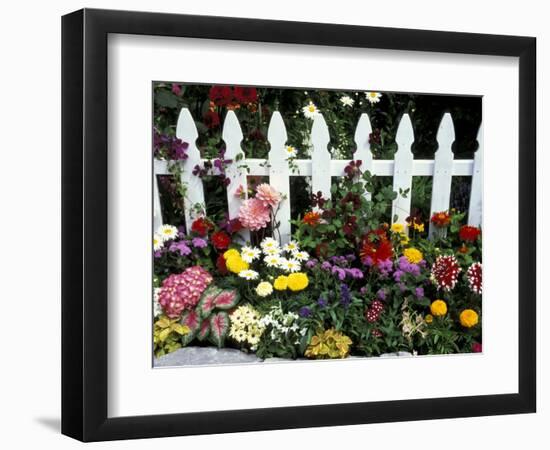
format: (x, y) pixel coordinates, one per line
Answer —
(321, 167)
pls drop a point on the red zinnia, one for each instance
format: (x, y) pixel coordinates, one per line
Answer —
(468, 233)
(212, 119)
(221, 240)
(221, 95)
(201, 226)
(245, 94)
(441, 219)
(376, 246)
(312, 218)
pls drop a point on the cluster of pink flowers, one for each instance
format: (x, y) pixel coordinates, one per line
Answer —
(255, 213)
(182, 291)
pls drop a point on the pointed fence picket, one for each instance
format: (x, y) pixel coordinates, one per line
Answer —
(321, 168)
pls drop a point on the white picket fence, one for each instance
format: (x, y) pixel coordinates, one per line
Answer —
(321, 167)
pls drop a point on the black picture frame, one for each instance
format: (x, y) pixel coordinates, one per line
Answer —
(84, 224)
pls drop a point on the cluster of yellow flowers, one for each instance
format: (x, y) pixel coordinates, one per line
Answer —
(234, 261)
(328, 344)
(246, 326)
(295, 282)
(413, 255)
(399, 229)
(468, 317)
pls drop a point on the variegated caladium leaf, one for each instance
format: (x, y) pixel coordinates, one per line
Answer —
(227, 299)
(192, 320)
(204, 330)
(206, 303)
(219, 327)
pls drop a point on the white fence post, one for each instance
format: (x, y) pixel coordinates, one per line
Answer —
(363, 152)
(279, 173)
(402, 170)
(476, 192)
(232, 135)
(187, 132)
(320, 158)
(443, 170)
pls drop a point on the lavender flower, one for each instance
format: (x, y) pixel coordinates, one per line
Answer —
(199, 242)
(345, 295)
(419, 291)
(381, 294)
(311, 263)
(385, 267)
(304, 312)
(326, 266)
(322, 302)
(180, 246)
(354, 273)
(339, 272)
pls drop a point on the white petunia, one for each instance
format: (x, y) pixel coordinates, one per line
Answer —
(249, 274)
(300, 255)
(346, 100)
(310, 110)
(290, 265)
(158, 242)
(249, 254)
(167, 232)
(291, 151)
(272, 260)
(373, 97)
(292, 246)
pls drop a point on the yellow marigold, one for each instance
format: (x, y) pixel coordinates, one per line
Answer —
(419, 227)
(413, 255)
(429, 318)
(398, 228)
(438, 308)
(236, 264)
(469, 318)
(280, 283)
(297, 281)
(231, 252)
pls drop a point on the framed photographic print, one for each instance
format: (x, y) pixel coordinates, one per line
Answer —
(273, 224)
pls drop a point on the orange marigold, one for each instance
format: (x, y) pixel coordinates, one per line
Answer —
(441, 219)
(312, 218)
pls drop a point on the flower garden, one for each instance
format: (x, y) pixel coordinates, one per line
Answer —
(348, 282)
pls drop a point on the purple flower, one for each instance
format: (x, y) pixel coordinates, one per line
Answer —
(181, 247)
(199, 242)
(311, 263)
(339, 272)
(354, 273)
(419, 291)
(345, 295)
(176, 89)
(326, 266)
(367, 261)
(322, 302)
(304, 312)
(157, 253)
(397, 275)
(363, 290)
(351, 257)
(381, 294)
(385, 267)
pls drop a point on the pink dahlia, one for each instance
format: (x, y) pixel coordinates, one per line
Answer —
(474, 277)
(445, 272)
(268, 195)
(254, 214)
(182, 291)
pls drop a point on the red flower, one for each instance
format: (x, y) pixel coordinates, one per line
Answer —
(221, 240)
(376, 247)
(201, 226)
(220, 265)
(441, 219)
(212, 119)
(474, 275)
(468, 233)
(234, 226)
(245, 94)
(321, 250)
(312, 218)
(445, 272)
(476, 347)
(221, 95)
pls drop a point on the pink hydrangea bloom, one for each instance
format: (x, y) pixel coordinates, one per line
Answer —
(268, 195)
(182, 291)
(254, 214)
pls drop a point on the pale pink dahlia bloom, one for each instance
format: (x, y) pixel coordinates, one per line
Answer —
(268, 195)
(254, 214)
(182, 291)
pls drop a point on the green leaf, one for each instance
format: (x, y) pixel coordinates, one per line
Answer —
(166, 99)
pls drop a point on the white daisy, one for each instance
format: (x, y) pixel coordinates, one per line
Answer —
(272, 260)
(310, 110)
(158, 242)
(167, 232)
(346, 100)
(373, 97)
(274, 251)
(290, 265)
(269, 243)
(292, 246)
(249, 274)
(300, 255)
(249, 254)
(291, 151)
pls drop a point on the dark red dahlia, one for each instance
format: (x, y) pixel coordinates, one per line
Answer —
(221, 240)
(474, 275)
(468, 233)
(221, 95)
(245, 94)
(211, 119)
(445, 272)
(201, 226)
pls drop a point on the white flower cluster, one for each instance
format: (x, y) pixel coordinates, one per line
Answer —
(246, 326)
(163, 234)
(157, 309)
(282, 325)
